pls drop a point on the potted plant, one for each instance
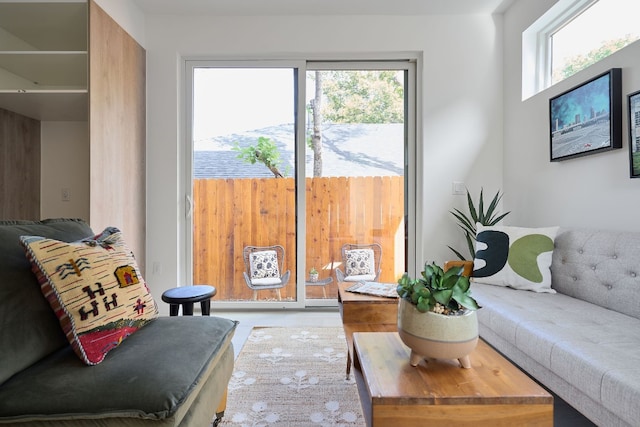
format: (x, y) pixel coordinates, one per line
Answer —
(467, 222)
(313, 275)
(437, 315)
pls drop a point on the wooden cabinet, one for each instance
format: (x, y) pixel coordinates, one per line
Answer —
(69, 62)
(44, 59)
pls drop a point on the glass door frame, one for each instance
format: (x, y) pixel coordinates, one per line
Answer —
(410, 135)
(302, 66)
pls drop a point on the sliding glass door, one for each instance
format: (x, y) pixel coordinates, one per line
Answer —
(355, 173)
(287, 163)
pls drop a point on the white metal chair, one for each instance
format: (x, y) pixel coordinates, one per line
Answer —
(361, 262)
(263, 269)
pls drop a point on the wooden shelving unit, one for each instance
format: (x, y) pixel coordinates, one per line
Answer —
(44, 59)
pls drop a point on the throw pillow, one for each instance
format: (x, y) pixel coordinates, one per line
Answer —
(94, 287)
(359, 262)
(264, 264)
(516, 257)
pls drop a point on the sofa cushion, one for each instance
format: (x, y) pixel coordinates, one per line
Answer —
(514, 256)
(95, 288)
(600, 267)
(29, 329)
(586, 345)
(134, 376)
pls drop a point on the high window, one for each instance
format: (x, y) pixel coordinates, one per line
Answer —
(573, 35)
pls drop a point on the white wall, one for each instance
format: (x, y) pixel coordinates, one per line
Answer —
(593, 191)
(64, 158)
(461, 111)
(128, 16)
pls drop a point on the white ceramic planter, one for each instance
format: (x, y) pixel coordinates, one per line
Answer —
(437, 336)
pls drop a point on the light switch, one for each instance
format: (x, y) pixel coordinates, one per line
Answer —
(459, 188)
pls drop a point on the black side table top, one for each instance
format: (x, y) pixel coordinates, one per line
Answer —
(191, 294)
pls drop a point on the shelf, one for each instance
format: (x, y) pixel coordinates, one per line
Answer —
(55, 26)
(44, 59)
(44, 70)
(48, 105)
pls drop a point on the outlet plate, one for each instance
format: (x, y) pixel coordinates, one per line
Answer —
(65, 194)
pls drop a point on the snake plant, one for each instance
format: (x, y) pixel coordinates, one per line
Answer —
(467, 222)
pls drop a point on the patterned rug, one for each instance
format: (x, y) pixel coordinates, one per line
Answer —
(293, 377)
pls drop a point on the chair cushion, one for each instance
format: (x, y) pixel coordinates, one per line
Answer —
(264, 264)
(514, 256)
(95, 288)
(29, 329)
(359, 262)
(266, 281)
(360, 278)
(150, 379)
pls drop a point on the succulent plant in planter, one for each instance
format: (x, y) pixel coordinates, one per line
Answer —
(313, 274)
(437, 290)
(437, 315)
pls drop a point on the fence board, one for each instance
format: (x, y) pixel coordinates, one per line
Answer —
(232, 213)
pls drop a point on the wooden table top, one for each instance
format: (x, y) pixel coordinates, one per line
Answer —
(345, 296)
(492, 379)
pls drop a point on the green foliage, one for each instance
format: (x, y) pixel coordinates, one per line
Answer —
(476, 215)
(265, 152)
(450, 289)
(313, 271)
(580, 62)
(363, 97)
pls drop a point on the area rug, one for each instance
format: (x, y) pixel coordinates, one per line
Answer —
(293, 377)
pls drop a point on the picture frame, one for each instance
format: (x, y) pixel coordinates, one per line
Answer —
(633, 102)
(587, 118)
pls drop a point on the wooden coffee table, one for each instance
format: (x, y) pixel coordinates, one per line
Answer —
(493, 392)
(365, 313)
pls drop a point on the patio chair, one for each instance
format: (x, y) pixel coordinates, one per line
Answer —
(263, 267)
(361, 262)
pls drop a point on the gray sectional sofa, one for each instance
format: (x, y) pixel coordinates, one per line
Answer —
(582, 342)
(173, 371)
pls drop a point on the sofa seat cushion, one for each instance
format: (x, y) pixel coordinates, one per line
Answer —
(621, 393)
(579, 342)
(29, 330)
(61, 387)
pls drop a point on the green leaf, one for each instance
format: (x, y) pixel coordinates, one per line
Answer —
(493, 205)
(471, 246)
(498, 219)
(463, 283)
(423, 305)
(443, 296)
(464, 222)
(458, 254)
(472, 209)
(468, 302)
(481, 217)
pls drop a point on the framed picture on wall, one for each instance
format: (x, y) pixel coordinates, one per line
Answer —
(587, 119)
(634, 133)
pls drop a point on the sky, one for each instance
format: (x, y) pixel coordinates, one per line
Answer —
(605, 20)
(231, 100)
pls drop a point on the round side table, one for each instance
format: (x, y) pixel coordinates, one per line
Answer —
(323, 283)
(186, 296)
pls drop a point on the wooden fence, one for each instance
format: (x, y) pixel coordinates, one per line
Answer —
(230, 214)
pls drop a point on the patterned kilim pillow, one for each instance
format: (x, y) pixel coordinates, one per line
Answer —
(359, 262)
(516, 257)
(94, 287)
(264, 264)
